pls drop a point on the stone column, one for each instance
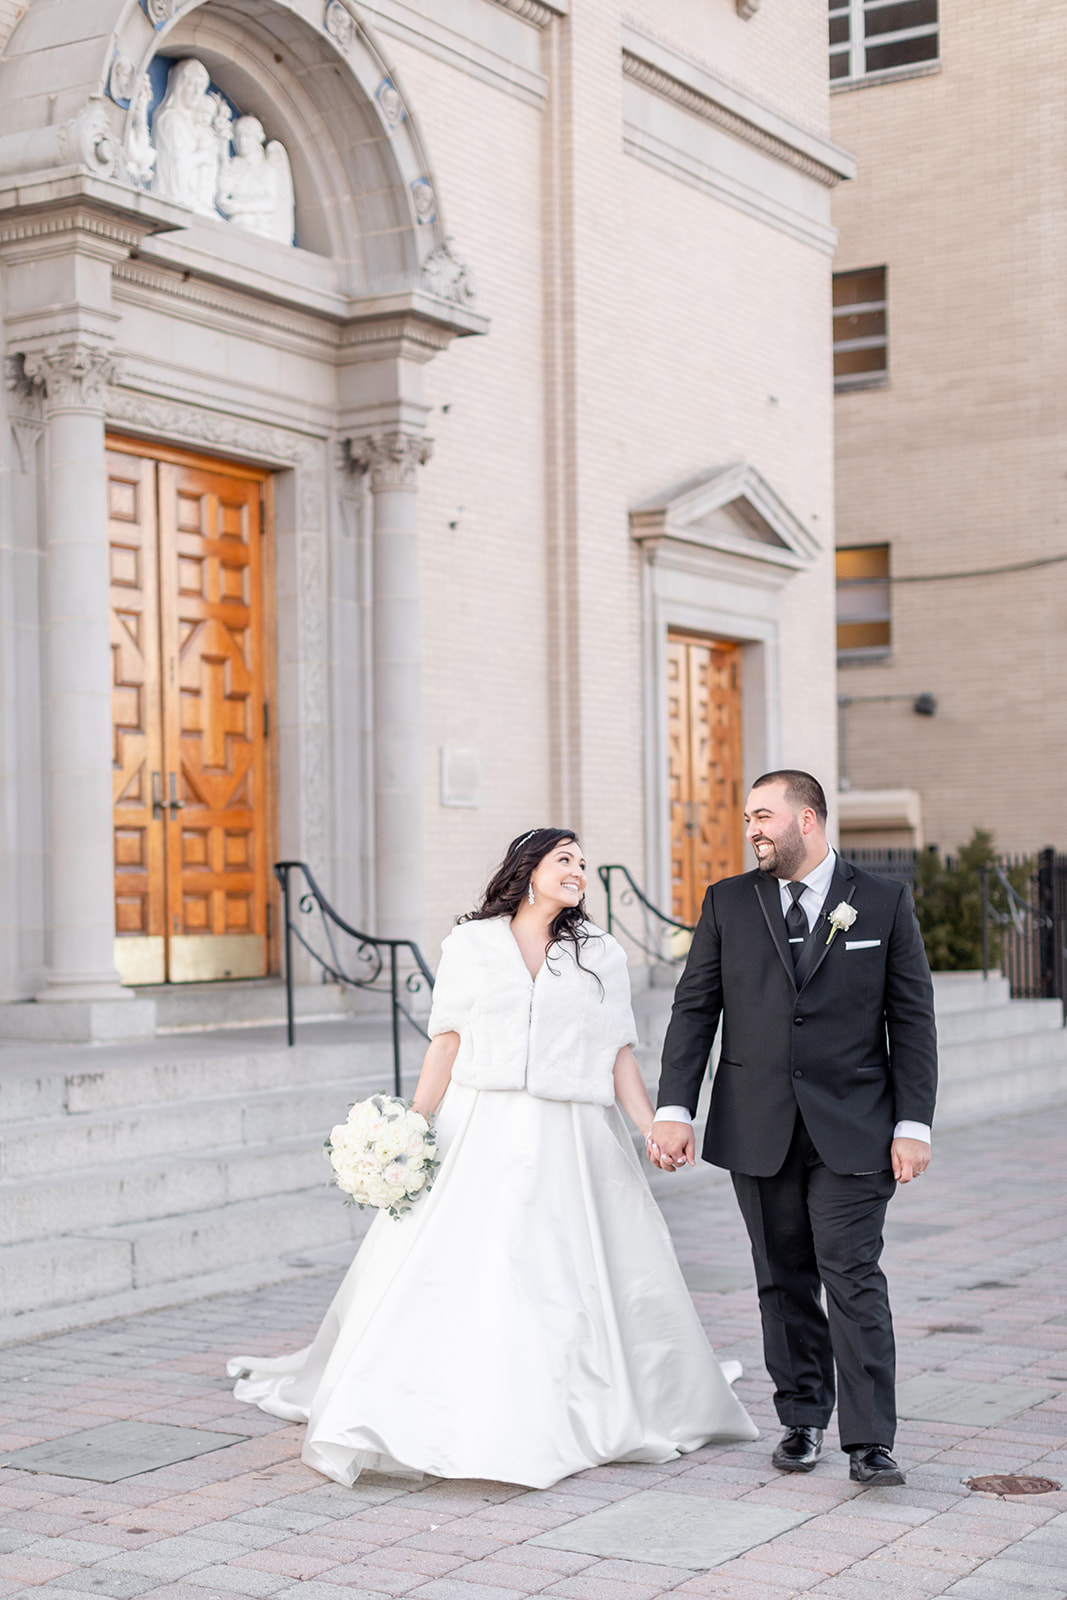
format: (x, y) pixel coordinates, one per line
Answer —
(392, 458)
(77, 666)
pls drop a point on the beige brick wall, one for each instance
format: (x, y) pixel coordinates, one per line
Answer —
(959, 462)
(699, 336)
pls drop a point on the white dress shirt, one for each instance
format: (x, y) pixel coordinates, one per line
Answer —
(816, 888)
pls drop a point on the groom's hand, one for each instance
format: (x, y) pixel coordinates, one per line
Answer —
(910, 1157)
(675, 1144)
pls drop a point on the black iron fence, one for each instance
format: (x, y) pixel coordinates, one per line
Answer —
(1024, 928)
(394, 967)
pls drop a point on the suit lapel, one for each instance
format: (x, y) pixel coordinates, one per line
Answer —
(841, 888)
(770, 900)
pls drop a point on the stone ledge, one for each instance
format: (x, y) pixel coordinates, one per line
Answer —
(78, 1021)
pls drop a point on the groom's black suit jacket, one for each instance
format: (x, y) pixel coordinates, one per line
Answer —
(855, 1049)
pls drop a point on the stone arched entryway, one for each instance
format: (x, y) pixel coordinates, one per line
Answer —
(128, 304)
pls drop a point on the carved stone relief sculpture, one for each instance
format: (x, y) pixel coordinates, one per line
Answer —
(189, 147)
(140, 156)
(189, 132)
(256, 184)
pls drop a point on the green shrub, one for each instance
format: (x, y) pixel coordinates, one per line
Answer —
(948, 899)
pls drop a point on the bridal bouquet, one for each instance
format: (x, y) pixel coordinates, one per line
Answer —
(383, 1154)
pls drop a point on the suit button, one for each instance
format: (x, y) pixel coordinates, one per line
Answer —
(797, 1073)
(798, 1022)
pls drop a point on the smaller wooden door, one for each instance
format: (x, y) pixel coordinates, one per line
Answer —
(192, 823)
(704, 762)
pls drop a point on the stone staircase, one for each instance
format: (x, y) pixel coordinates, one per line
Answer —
(146, 1173)
(140, 1173)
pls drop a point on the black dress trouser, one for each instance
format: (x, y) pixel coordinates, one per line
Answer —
(811, 1228)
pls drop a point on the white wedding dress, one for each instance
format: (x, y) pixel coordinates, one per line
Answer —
(525, 1320)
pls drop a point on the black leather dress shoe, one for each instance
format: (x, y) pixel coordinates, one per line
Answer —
(798, 1450)
(873, 1465)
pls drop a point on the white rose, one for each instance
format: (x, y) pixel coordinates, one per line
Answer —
(395, 1176)
(416, 1181)
(390, 1142)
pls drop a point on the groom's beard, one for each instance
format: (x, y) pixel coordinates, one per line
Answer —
(785, 855)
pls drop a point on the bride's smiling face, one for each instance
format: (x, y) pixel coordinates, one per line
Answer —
(559, 878)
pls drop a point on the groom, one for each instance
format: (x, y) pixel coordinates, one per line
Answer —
(822, 1102)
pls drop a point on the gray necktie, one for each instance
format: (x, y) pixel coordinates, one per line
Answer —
(796, 926)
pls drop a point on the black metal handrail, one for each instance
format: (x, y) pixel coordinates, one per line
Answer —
(630, 894)
(372, 952)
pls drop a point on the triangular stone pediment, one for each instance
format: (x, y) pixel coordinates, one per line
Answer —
(732, 509)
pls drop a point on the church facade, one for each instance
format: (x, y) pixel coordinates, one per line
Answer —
(417, 429)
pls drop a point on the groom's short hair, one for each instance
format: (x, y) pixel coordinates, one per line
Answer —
(801, 789)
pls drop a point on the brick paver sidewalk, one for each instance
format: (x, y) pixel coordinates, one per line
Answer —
(977, 1260)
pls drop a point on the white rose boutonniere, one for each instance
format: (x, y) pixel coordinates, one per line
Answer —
(842, 916)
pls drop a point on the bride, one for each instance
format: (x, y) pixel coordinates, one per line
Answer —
(527, 1318)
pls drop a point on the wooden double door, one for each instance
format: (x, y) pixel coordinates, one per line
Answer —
(190, 715)
(704, 764)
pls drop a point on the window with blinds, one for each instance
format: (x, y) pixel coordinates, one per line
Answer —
(863, 615)
(861, 335)
(876, 36)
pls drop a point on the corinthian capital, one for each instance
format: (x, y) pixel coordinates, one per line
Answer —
(392, 459)
(74, 377)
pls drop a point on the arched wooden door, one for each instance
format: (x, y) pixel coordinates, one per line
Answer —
(704, 756)
(190, 712)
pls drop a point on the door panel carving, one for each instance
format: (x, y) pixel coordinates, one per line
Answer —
(135, 710)
(205, 688)
(704, 766)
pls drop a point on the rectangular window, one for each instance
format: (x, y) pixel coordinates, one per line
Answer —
(863, 601)
(876, 36)
(861, 351)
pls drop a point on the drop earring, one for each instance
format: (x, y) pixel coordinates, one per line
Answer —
(530, 894)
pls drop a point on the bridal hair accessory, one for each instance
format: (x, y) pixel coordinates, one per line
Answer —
(383, 1155)
(520, 842)
(841, 917)
(530, 893)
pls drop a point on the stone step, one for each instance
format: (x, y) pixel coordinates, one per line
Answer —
(56, 1080)
(999, 1021)
(66, 1145)
(969, 991)
(134, 1191)
(980, 1060)
(257, 1002)
(77, 1268)
(1003, 1075)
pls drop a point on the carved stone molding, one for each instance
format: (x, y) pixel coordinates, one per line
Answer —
(445, 274)
(76, 219)
(412, 336)
(74, 376)
(147, 281)
(340, 24)
(392, 459)
(661, 83)
(18, 383)
(82, 141)
(214, 430)
(26, 435)
(533, 11)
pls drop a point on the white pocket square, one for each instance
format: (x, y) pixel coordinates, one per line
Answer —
(862, 944)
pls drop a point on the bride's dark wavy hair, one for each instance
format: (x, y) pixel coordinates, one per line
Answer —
(506, 888)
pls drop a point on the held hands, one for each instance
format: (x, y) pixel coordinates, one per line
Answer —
(671, 1145)
(910, 1158)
